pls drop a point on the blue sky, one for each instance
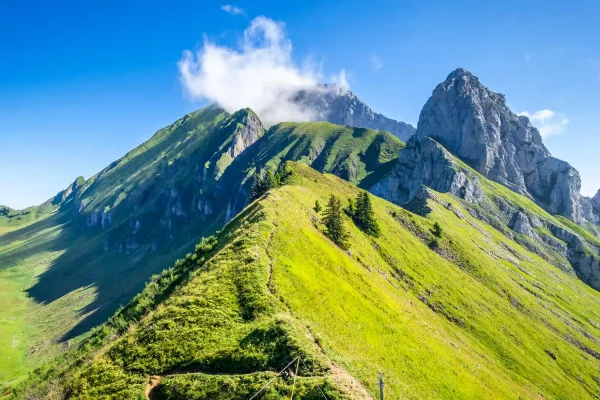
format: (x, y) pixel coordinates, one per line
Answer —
(81, 83)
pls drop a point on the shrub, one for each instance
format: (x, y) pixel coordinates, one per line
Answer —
(437, 230)
(318, 207)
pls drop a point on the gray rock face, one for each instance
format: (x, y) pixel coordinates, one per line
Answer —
(101, 219)
(246, 133)
(590, 211)
(342, 107)
(464, 120)
(476, 125)
(427, 163)
(596, 202)
(521, 224)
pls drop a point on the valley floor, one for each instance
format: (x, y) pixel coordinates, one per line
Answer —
(30, 332)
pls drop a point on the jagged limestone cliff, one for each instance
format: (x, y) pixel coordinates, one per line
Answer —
(466, 135)
(475, 124)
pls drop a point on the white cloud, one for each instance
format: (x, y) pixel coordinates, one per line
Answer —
(341, 81)
(376, 62)
(260, 75)
(228, 8)
(547, 121)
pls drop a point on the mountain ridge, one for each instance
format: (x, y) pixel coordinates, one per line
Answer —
(93, 249)
(92, 246)
(331, 103)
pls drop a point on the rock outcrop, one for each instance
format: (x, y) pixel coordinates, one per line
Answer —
(247, 131)
(71, 190)
(590, 209)
(465, 121)
(475, 124)
(341, 107)
(596, 202)
(427, 163)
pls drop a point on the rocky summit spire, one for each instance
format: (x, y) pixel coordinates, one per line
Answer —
(475, 124)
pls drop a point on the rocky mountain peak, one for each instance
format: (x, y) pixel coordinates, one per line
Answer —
(72, 188)
(340, 106)
(476, 125)
(247, 130)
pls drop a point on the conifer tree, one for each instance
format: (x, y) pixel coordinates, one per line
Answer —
(365, 216)
(269, 180)
(318, 207)
(283, 174)
(437, 230)
(334, 222)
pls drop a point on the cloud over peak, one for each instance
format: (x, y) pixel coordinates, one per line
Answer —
(261, 74)
(547, 121)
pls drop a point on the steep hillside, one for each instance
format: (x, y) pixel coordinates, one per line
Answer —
(68, 265)
(468, 313)
(357, 155)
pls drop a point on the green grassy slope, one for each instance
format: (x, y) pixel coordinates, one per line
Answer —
(354, 154)
(55, 273)
(66, 269)
(556, 239)
(475, 316)
(11, 219)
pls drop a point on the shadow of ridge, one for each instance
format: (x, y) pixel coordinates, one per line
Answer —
(252, 214)
(28, 231)
(418, 206)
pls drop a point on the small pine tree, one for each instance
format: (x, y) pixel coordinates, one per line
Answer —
(365, 216)
(269, 180)
(334, 222)
(318, 207)
(434, 243)
(437, 230)
(263, 182)
(283, 174)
